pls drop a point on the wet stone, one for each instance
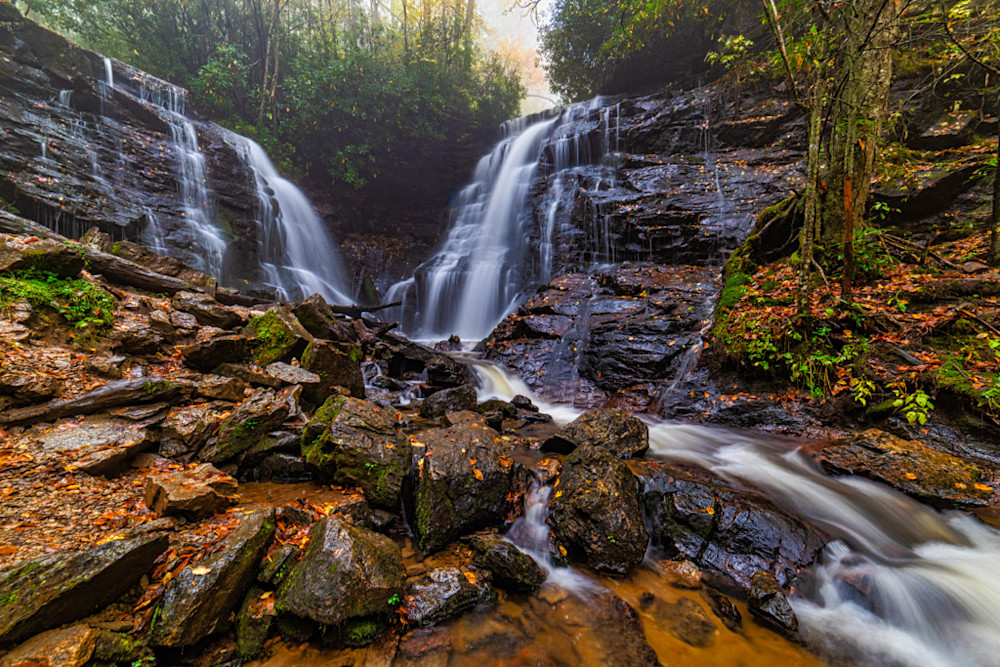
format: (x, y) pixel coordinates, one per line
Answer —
(509, 567)
(682, 574)
(262, 412)
(724, 608)
(66, 647)
(769, 604)
(199, 599)
(199, 492)
(616, 430)
(442, 402)
(445, 592)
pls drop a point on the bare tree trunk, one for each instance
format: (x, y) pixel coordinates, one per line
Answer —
(994, 258)
(808, 233)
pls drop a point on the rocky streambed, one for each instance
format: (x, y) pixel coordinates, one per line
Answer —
(206, 474)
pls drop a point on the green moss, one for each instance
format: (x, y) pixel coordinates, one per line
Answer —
(116, 248)
(272, 339)
(362, 631)
(355, 356)
(83, 304)
(328, 412)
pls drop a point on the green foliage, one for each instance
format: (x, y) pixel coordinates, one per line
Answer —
(348, 95)
(914, 405)
(82, 304)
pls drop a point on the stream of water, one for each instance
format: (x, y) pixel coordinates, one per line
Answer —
(902, 584)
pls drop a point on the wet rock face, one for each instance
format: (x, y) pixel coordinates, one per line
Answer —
(197, 602)
(362, 445)
(930, 475)
(727, 532)
(442, 402)
(769, 604)
(61, 588)
(405, 359)
(509, 567)
(250, 422)
(346, 573)
(463, 481)
(585, 337)
(337, 365)
(445, 592)
(595, 513)
(616, 430)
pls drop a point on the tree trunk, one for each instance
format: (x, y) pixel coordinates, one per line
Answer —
(808, 233)
(994, 258)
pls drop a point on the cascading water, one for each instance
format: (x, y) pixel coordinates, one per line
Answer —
(492, 253)
(902, 584)
(297, 255)
(296, 251)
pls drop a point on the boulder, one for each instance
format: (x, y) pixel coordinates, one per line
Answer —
(729, 532)
(281, 468)
(65, 647)
(218, 387)
(206, 310)
(194, 493)
(361, 446)
(209, 354)
(408, 360)
(442, 402)
(247, 374)
(346, 573)
(616, 430)
(248, 424)
(318, 319)
(288, 374)
(769, 604)
(60, 588)
(444, 592)
(253, 622)
(930, 475)
(595, 513)
(26, 385)
(276, 336)
(26, 253)
(199, 599)
(509, 567)
(462, 485)
(337, 365)
(99, 445)
(186, 429)
(277, 442)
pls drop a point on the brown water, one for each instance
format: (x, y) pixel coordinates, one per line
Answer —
(556, 627)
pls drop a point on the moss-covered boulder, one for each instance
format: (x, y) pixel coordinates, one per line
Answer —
(616, 430)
(276, 336)
(39, 594)
(930, 475)
(509, 567)
(337, 365)
(595, 513)
(361, 446)
(23, 253)
(253, 622)
(261, 413)
(346, 573)
(463, 483)
(445, 592)
(199, 600)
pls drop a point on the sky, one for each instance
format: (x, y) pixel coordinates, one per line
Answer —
(516, 35)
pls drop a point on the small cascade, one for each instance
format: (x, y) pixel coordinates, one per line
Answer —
(901, 584)
(296, 250)
(495, 251)
(65, 97)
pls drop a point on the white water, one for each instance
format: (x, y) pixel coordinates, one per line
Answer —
(296, 249)
(931, 591)
(493, 253)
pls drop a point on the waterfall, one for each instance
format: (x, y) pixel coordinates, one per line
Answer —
(295, 248)
(494, 253)
(902, 584)
(296, 253)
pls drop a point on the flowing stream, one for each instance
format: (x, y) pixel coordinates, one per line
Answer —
(902, 584)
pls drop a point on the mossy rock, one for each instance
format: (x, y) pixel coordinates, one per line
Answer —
(276, 336)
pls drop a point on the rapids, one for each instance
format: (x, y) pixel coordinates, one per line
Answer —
(902, 584)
